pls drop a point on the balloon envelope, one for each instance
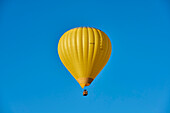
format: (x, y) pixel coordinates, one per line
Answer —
(84, 51)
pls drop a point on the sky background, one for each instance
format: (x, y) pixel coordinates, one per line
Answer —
(135, 80)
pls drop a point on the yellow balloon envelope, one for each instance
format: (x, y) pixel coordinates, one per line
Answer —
(84, 51)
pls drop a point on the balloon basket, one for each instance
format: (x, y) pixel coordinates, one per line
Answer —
(85, 92)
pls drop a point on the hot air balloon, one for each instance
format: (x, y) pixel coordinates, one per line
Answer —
(84, 51)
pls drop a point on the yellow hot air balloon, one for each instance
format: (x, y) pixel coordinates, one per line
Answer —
(84, 51)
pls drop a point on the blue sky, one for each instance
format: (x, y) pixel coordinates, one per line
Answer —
(135, 80)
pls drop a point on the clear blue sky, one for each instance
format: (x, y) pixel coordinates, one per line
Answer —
(135, 80)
